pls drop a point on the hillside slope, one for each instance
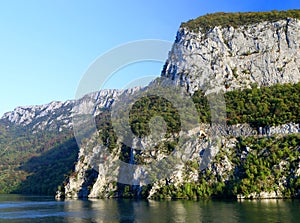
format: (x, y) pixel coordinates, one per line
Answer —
(37, 144)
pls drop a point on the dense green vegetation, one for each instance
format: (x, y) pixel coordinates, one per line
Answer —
(146, 108)
(34, 163)
(207, 22)
(267, 161)
(260, 107)
(49, 170)
(267, 106)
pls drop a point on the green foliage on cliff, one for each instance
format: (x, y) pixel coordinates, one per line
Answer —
(209, 21)
(259, 171)
(267, 162)
(260, 107)
(265, 165)
(273, 105)
(106, 131)
(148, 107)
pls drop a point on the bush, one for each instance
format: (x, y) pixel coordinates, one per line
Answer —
(209, 21)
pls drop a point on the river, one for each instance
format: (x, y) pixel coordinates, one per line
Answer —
(32, 209)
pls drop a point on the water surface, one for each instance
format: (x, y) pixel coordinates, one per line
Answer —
(31, 209)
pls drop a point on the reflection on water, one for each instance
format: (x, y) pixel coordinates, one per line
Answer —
(271, 210)
(25, 209)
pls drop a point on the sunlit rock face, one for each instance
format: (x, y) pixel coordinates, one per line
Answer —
(218, 60)
(232, 58)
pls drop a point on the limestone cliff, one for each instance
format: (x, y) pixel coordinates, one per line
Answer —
(230, 58)
(211, 59)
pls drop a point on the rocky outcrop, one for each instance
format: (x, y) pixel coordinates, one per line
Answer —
(232, 58)
(102, 183)
(261, 195)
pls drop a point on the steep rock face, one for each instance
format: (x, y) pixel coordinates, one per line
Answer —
(90, 177)
(223, 167)
(222, 59)
(229, 58)
(100, 181)
(232, 58)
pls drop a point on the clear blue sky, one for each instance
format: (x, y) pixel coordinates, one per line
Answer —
(46, 46)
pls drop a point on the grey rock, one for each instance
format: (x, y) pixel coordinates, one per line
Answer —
(231, 58)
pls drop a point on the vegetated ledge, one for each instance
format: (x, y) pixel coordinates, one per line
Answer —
(208, 21)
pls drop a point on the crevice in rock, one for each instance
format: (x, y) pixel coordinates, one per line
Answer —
(278, 39)
(286, 33)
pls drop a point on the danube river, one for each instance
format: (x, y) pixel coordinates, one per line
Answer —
(31, 209)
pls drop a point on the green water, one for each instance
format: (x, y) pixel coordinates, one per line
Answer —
(31, 209)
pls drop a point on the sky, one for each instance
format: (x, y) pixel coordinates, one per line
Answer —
(47, 46)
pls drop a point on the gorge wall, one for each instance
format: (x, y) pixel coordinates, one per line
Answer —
(218, 59)
(224, 159)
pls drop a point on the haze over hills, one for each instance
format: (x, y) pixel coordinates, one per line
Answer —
(251, 59)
